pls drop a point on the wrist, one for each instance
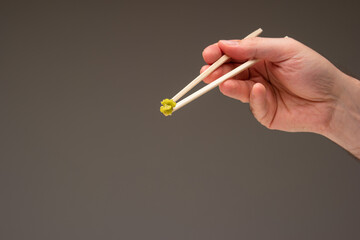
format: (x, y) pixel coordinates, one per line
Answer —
(344, 127)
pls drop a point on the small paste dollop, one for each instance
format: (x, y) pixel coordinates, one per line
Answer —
(167, 106)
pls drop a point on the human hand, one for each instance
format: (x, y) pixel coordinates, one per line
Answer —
(292, 88)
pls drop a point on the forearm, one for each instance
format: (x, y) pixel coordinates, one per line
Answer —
(344, 127)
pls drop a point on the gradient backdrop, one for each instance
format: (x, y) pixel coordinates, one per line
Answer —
(86, 154)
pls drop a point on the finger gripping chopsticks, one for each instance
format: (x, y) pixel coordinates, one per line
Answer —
(213, 84)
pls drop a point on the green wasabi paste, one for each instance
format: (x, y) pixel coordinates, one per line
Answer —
(167, 106)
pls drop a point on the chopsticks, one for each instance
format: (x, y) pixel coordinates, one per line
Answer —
(215, 83)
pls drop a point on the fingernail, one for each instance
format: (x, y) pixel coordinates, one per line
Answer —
(230, 42)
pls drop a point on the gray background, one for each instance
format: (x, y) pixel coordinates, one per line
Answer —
(86, 154)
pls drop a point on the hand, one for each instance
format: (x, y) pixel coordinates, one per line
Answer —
(292, 88)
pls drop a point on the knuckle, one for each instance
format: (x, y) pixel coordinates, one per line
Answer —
(291, 42)
(249, 49)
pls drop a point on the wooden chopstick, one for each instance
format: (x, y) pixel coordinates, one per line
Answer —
(214, 84)
(207, 72)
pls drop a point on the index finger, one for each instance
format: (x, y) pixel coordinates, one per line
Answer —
(212, 53)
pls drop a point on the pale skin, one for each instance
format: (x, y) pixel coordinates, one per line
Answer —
(293, 88)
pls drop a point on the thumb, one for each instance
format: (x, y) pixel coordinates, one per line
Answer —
(271, 49)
